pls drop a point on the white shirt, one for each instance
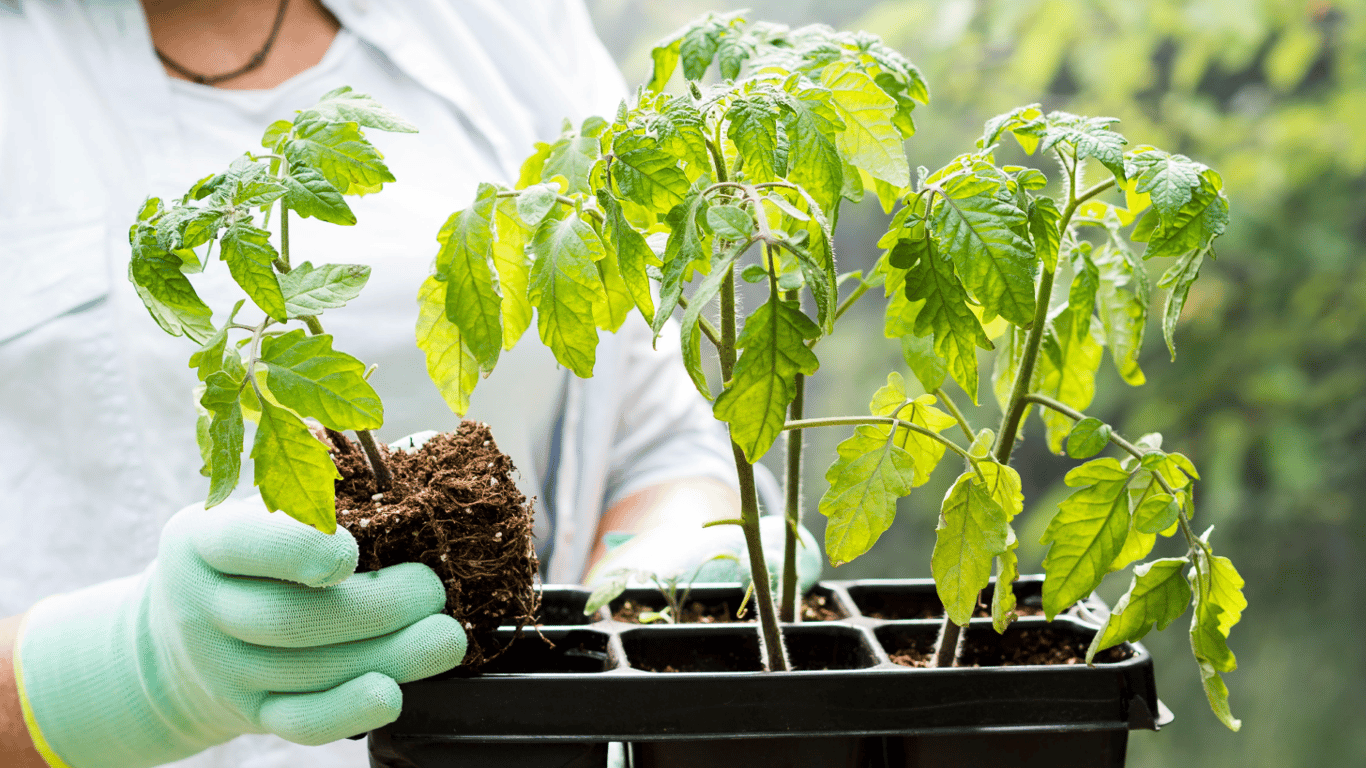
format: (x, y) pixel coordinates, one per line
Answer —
(96, 405)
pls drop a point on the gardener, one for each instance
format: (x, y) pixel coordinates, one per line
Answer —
(238, 626)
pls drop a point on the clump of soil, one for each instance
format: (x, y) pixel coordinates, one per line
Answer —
(454, 508)
(814, 608)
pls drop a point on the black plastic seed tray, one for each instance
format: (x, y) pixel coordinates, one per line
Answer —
(597, 679)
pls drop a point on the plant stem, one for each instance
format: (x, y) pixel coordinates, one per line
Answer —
(946, 652)
(384, 479)
(708, 329)
(793, 496)
(749, 499)
(957, 414)
(843, 421)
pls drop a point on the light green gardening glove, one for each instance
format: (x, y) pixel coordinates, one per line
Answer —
(247, 622)
(682, 549)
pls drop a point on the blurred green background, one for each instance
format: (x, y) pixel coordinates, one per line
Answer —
(1265, 395)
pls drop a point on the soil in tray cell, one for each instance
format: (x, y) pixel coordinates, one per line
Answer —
(455, 508)
(563, 607)
(1019, 646)
(815, 607)
(679, 651)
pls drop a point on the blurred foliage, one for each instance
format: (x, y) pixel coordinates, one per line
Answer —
(1266, 393)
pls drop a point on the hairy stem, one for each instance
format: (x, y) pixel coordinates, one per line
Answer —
(957, 413)
(793, 496)
(749, 498)
(384, 479)
(708, 329)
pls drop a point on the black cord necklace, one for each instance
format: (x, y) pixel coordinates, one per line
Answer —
(255, 61)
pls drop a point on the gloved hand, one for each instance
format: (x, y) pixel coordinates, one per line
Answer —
(680, 549)
(247, 622)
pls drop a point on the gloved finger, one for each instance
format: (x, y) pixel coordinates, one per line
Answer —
(283, 615)
(429, 647)
(243, 539)
(363, 704)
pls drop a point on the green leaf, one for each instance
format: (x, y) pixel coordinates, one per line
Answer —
(294, 470)
(1081, 296)
(606, 592)
(646, 174)
(1137, 545)
(309, 377)
(753, 127)
(1025, 123)
(343, 105)
(565, 288)
(1089, 137)
(1175, 468)
(1088, 438)
(1003, 597)
(1157, 513)
(972, 530)
(1087, 533)
(665, 58)
(1194, 225)
(730, 222)
(308, 290)
(1219, 604)
(928, 367)
(945, 313)
(1122, 302)
(226, 433)
(870, 140)
(511, 237)
(812, 126)
(309, 193)
(613, 312)
(1166, 179)
(869, 475)
(250, 257)
(1158, 596)
(687, 248)
(1044, 220)
(532, 167)
(925, 451)
(995, 263)
(535, 202)
(690, 329)
(472, 301)
(698, 48)
(341, 154)
(1066, 371)
(274, 133)
(572, 158)
(1006, 368)
(633, 253)
(762, 384)
(166, 292)
(1178, 279)
(450, 364)
(981, 445)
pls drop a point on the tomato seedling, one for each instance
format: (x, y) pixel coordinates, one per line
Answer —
(659, 208)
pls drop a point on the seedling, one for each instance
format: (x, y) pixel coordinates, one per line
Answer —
(747, 174)
(277, 376)
(616, 582)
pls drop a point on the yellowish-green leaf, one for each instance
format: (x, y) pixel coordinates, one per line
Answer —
(993, 260)
(870, 140)
(1086, 534)
(945, 313)
(1066, 371)
(309, 377)
(510, 239)
(450, 364)
(226, 433)
(869, 475)
(293, 470)
(472, 301)
(566, 290)
(755, 401)
(1158, 596)
(972, 530)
